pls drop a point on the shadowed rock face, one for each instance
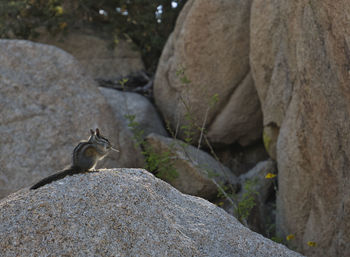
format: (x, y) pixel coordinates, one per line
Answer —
(47, 105)
(122, 212)
(300, 63)
(210, 47)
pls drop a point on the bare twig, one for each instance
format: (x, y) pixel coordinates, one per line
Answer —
(202, 128)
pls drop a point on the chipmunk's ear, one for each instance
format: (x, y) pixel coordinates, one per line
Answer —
(92, 132)
(97, 132)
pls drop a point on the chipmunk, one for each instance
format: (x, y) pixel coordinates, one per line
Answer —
(85, 157)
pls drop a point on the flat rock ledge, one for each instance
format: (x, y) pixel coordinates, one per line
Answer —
(122, 212)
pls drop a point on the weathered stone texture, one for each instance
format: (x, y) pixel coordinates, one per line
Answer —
(122, 212)
(300, 63)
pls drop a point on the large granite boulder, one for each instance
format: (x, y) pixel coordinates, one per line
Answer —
(47, 105)
(206, 59)
(122, 212)
(98, 54)
(300, 62)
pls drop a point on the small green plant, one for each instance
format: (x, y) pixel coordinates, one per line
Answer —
(225, 191)
(277, 239)
(161, 164)
(247, 202)
(188, 130)
(210, 172)
(135, 129)
(180, 73)
(123, 82)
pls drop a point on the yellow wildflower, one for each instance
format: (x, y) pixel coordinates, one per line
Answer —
(270, 175)
(220, 203)
(290, 237)
(311, 244)
(63, 25)
(59, 10)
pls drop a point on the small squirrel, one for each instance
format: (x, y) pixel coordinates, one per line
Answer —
(85, 157)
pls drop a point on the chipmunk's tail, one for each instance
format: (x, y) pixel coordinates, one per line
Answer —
(57, 176)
